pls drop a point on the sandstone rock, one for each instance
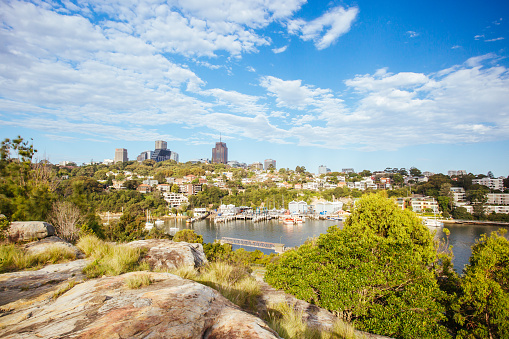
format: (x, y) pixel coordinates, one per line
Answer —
(166, 254)
(171, 307)
(20, 287)
(30, 230)
(42, 245)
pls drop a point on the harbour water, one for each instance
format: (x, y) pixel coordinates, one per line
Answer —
(462, 237)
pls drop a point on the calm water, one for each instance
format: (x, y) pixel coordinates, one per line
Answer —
(462, 236)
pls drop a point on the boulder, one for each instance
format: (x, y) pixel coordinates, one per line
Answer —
(171, 307)
(165, 254)
(53, 241)
(30, 230)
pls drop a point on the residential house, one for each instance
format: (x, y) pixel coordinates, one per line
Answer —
(175, 199)
(144, 188)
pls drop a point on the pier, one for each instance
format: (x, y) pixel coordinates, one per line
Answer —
(278, 248)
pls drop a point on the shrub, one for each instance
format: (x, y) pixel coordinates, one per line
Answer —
(188, 236)
(378, 272)
(484, 300)
(138, 280)
(13, 258)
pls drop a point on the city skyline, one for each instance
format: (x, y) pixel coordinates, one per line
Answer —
(362, 84)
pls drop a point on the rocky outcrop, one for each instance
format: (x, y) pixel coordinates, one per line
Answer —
(53, 241)
(30, 230)
(166, 254)
(26, 286)
(171, 307)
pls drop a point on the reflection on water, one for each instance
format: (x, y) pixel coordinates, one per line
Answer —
(462, 236)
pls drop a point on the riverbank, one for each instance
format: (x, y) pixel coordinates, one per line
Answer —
(476, 222)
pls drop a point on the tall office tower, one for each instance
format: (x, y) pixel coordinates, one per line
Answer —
(144, 156)
(323, 169)
(121, 155)
(268, 163)
(220, 153)
(160, 144)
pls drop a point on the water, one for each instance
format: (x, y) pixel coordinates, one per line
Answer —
(462, 236)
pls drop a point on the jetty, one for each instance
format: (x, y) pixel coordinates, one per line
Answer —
(278, 248)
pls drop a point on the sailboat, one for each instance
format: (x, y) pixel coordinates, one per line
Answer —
(148, 224)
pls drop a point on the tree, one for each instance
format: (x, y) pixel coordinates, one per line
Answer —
(490, 175)
(188, 236)
(378, 271)
(415, 172)
(67, 219)
(484, 301)
(403, 172)
(174, 188)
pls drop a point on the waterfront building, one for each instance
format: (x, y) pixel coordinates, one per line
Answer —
(268, 163)
(323, 169)
(494, 184)
(298, 207)
(175, 199)
(328, 207)
(498, 198)
(421, 204)
(458, 194)
(121, 155)
(496, 209)
(220, 153)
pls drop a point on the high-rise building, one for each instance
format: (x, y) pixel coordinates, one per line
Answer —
(323, 169)
(160, 144)
(144, 156)
(220, 153)
(121, 155)
(268, 163)
(256, 166)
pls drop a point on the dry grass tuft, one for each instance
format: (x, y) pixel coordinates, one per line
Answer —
(138, 280)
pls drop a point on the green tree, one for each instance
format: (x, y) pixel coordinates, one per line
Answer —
(174, 188)
(378, 271)
(189, 236)
(484, 302)
(415, 172)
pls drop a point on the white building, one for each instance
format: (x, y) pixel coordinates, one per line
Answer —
(323, 170)
(453, 173)
(298, 207)
(498, 198)
(494, 184)
(497, 209)
(458, 194)
(422, 204)
(327, 207)
(175, 199)
(312, 186)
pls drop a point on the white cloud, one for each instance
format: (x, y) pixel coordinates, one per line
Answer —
(496, 39)
(325, 30)
(479, 36)
(412, 34)
(280, 49)
(236, 101)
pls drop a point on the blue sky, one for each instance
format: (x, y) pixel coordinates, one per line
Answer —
(364, 84)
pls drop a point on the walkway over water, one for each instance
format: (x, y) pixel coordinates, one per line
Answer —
(278, 248)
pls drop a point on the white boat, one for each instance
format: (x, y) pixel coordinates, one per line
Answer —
(148, 224)
(159, 222)
(433, 223)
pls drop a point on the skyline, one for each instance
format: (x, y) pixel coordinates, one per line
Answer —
(356, 84)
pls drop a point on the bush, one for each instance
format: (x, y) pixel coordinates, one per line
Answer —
(188, 236)
(379, 272)
(484, 300)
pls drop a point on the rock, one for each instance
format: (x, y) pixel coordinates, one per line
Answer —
(42, 245)
(20, 287)
(166, 254)
(171, 307)
(30, 230)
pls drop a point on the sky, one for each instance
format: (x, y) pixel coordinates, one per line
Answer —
(346, 84)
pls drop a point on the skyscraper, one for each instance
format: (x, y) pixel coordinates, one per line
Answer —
(160, 144)
(268, 163)
(220, 153)
(121, 155)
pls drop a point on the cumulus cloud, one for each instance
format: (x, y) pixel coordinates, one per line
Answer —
(412, 34)
(325, 30)
(280, 49)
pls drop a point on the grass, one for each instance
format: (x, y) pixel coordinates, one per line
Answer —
(15, 258)
(288, 323)
(110, 259)
(138, 280)
(233, 282)
(64, 289)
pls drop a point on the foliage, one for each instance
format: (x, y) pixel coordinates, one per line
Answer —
(4, 227)
(67, 219)
(110, 259)
(289, 323)
(189, 236)
(14, 258)
(379, 271)
(484, 302)
(138, 280)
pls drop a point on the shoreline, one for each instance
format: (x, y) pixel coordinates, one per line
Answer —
(477, 222)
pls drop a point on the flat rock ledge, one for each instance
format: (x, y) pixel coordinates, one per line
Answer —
(171, 307)
(165, 254)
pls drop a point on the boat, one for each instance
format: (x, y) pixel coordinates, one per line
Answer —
(159, 222)
(433, 223)
(148, 224)
(288, 221)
